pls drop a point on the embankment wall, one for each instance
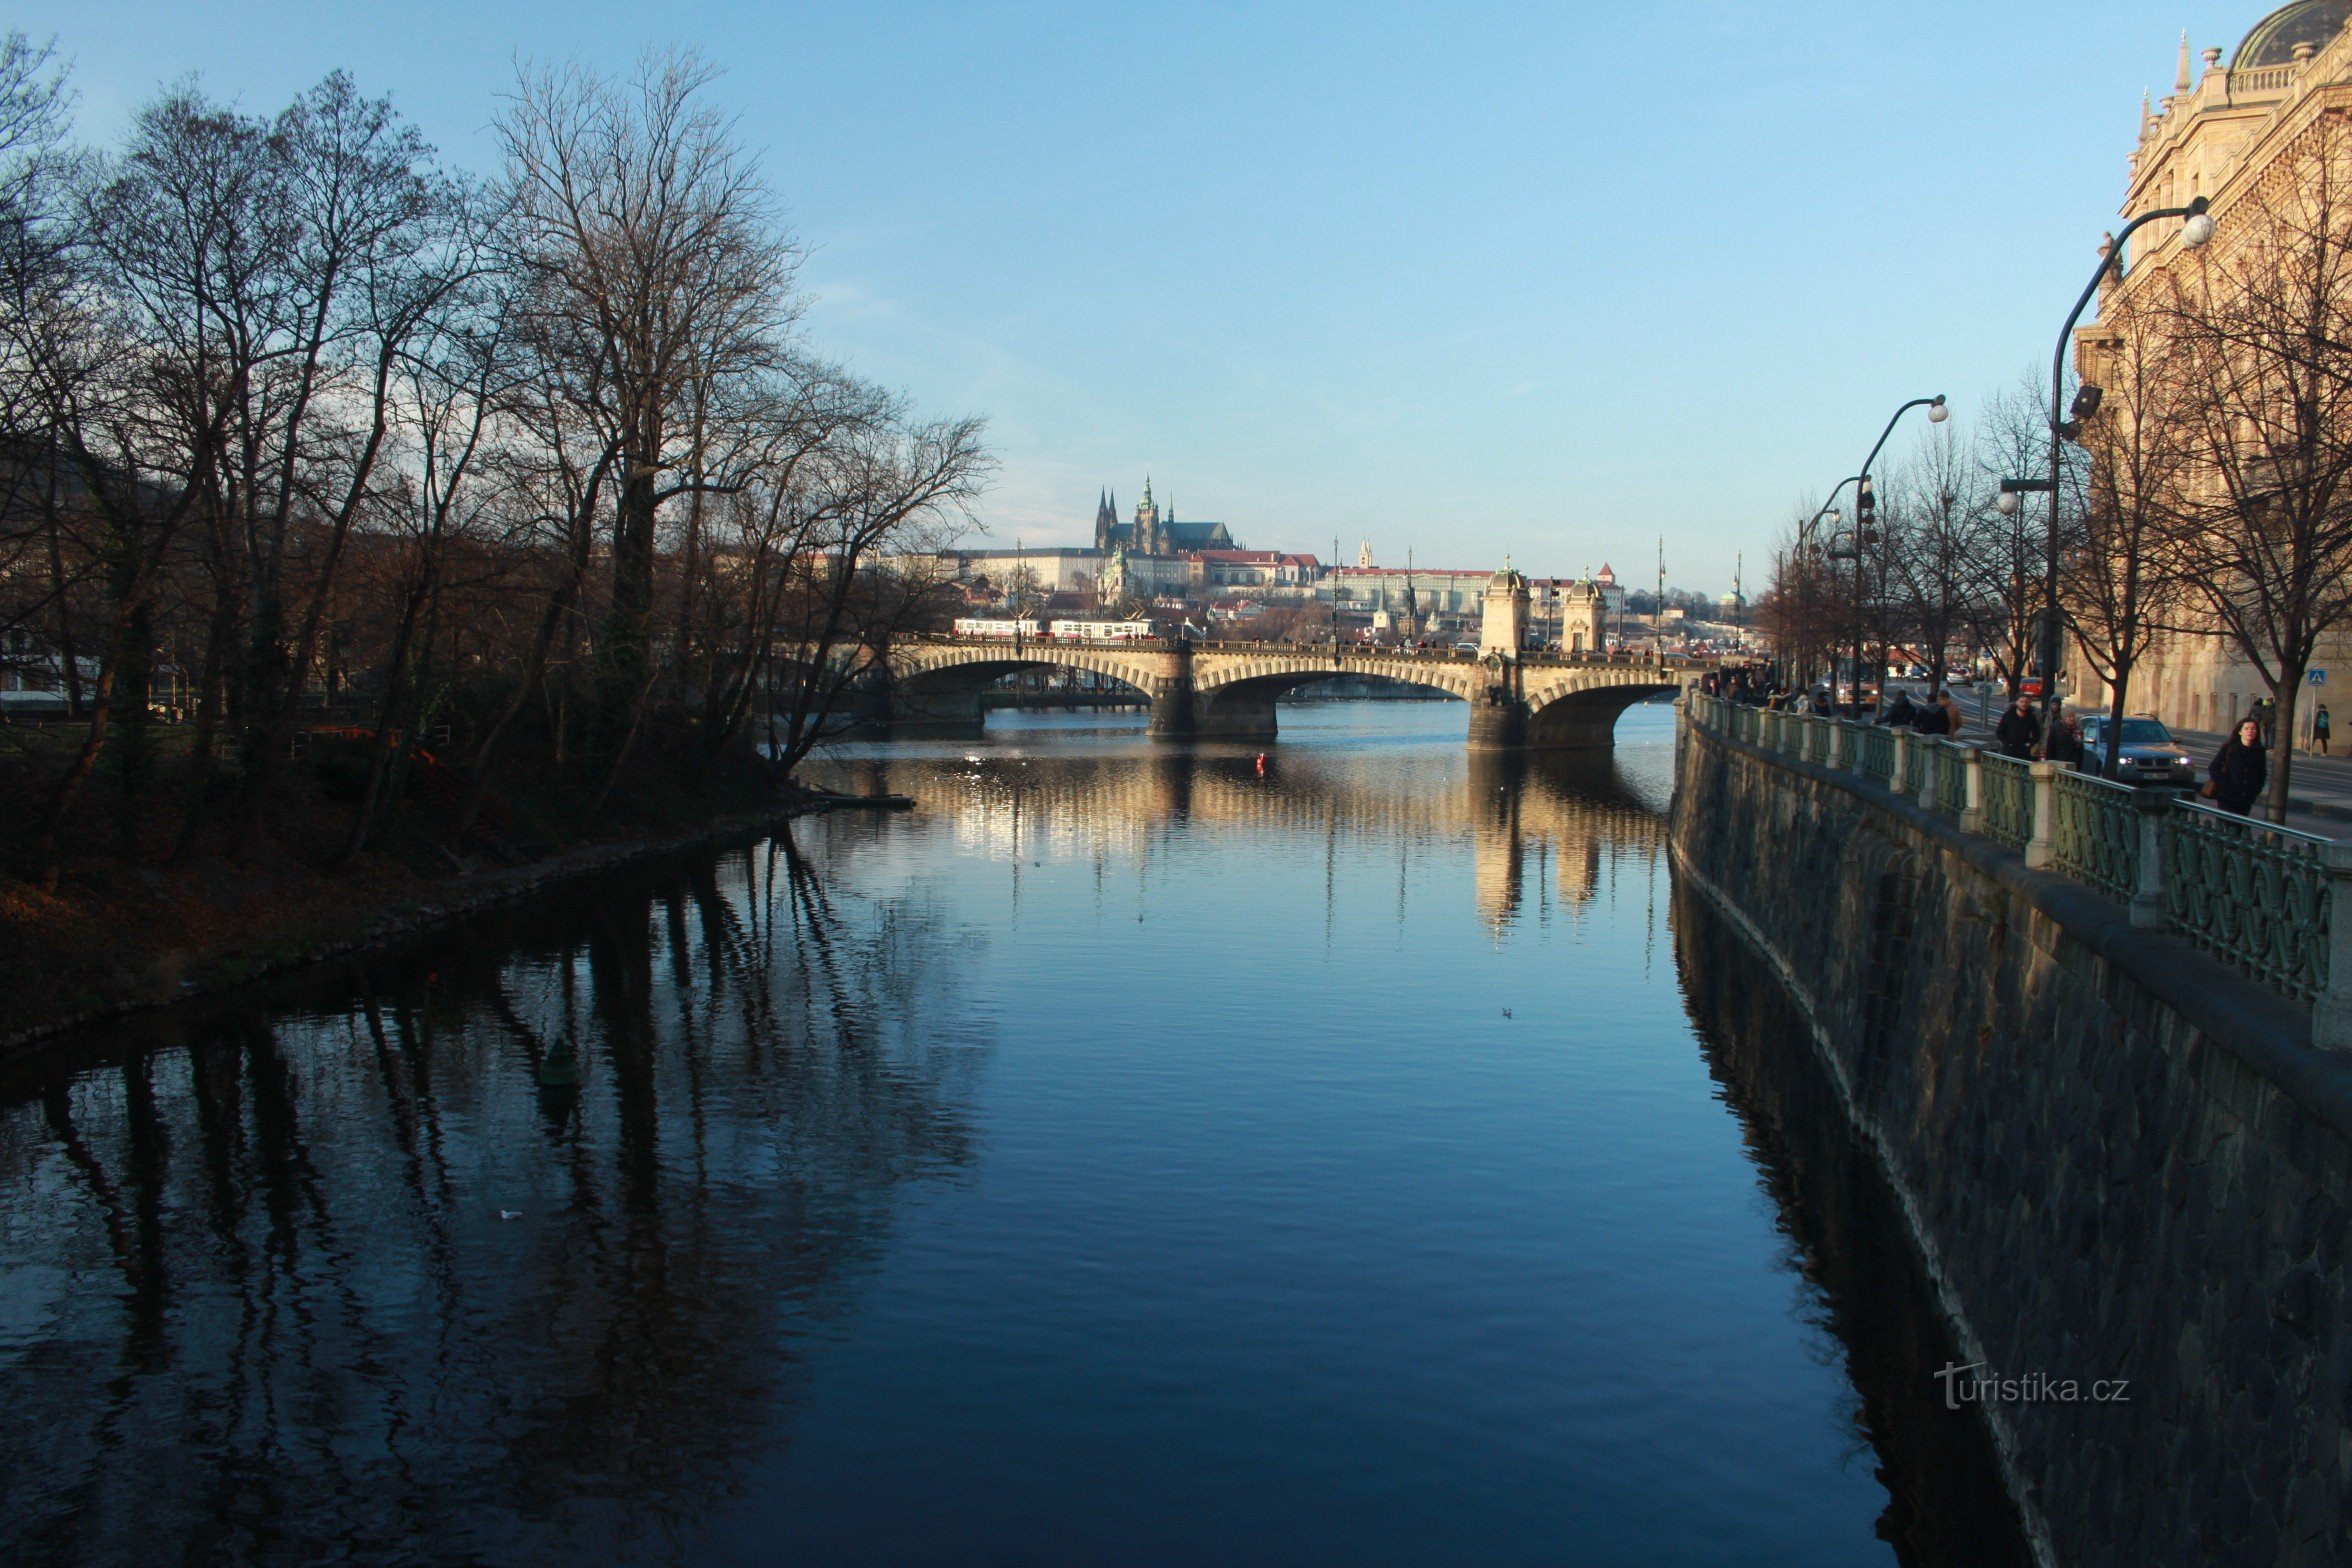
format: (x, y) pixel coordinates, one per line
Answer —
(2120, 1161)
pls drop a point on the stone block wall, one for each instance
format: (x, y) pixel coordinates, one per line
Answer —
(2119, 1160)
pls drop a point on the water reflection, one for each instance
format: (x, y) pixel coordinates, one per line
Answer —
(1129, 1154)
(259, 1295)
(1547, 821)
(1946, 1507)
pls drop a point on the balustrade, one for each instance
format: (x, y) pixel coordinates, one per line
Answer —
(2258, 897)
(2250, 893)
(2096, 837)
(2007, 810)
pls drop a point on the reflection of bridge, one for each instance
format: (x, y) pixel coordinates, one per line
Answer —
(1227, 691)
(1522, 821)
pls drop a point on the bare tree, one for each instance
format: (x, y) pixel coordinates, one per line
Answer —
(1935, 516)
(2122, 581)
(660, 279)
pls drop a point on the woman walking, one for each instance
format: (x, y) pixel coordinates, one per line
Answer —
(2319, 730)
(2235, 776)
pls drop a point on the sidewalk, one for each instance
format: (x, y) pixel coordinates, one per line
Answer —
(2319, 792)
(2318, 788)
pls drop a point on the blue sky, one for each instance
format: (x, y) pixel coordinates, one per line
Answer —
(1548, 280)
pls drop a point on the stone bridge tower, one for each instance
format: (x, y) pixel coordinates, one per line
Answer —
(1502, 624)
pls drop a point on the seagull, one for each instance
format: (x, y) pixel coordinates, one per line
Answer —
(1506, 1012)
(510, 1214)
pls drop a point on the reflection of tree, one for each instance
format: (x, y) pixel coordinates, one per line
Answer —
(1946, 1505)
(276, 1242)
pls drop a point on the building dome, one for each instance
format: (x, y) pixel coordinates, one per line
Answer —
(2273, 40)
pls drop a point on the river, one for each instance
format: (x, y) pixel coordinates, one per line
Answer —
(1126, 1156)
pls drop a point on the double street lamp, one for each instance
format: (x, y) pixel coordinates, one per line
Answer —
(2196, 230)
(1864, 532)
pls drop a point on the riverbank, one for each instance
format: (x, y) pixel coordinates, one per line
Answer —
(2123, 1164)
(119, 936)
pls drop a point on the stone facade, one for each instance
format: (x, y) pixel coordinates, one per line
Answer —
(2224, 133)
(2118, 1160)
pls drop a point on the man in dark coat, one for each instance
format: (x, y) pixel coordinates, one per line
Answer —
(2019, 731)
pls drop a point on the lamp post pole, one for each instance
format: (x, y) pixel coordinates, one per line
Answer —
(2196, 229)
(1865, 532)
(1865, 519)
(1804, 540)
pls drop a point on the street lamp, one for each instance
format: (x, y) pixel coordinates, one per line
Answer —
(2196, 230)
(1867, 507)
(1865, 530)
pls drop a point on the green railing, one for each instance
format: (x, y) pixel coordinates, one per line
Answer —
(2254, 895)
(2008, 799)
(1949, 760)
(2260, 898)
(1875, 755)
(2096, 837)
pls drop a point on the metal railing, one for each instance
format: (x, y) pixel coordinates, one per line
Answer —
(2253, 895)
(2096, 837)
(2008, 799)
(2259, 898)
(1949, 762)
(1874, 752)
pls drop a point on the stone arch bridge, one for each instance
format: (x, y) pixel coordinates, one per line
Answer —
(1228, 691)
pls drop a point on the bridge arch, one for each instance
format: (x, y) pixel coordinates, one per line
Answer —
(1235, 698)
(940, 684)
(1567, 717)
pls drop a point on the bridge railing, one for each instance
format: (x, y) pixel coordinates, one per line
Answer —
(2259, 897)
(1346, 652)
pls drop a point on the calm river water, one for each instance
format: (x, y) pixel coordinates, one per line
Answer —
(1123, 1157)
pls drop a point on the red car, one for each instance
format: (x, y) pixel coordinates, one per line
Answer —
(2031, 686)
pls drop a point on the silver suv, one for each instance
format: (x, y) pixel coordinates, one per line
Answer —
(2148, 755)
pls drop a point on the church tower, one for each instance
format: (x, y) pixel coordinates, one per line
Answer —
(1105, 520)
(1147, 522)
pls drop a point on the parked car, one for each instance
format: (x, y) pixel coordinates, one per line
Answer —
(2031, 686)
(2148, 754)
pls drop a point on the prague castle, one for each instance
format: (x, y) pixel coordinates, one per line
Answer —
(1153, 532)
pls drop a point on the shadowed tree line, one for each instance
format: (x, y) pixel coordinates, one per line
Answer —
(526, 475)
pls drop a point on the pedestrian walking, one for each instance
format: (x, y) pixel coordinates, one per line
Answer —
(2319, 730)
(1952, 719)
(2235, 776)
(2019, 731)
(2266, 715)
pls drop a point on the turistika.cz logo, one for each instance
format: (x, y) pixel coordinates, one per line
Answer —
(2033, 1388)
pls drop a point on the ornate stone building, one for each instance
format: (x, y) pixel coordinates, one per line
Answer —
(2228, 133)
(1154, 532)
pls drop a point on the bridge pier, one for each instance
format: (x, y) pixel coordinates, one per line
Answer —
(941, 710)
(1173, 712)
(1498, 724)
